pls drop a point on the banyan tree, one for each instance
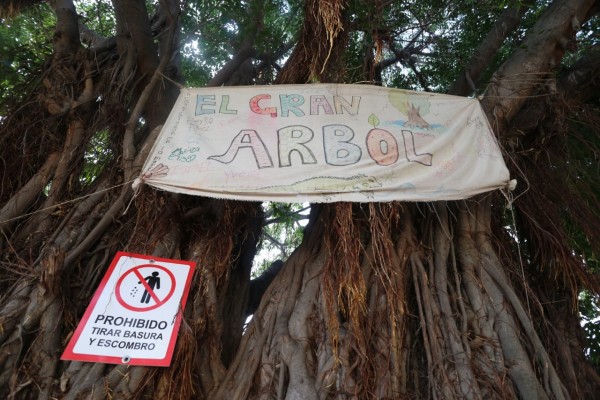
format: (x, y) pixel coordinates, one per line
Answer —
(476, 298)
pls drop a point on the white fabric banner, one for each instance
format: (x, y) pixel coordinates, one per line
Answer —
(325, 143)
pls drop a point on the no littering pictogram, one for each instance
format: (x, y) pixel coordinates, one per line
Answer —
(135, 313)
(145, 287)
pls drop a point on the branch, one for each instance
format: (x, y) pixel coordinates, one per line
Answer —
(225, 73)
(138, 26)
(128, 138)
(530, 65)
(295, 215)
(66, 35)
(404, 56)
(582, 80)
(269, 60)
(241, 63)
(413, 66)
(483, 56)
(275, 242)
(96, 42)
(29, 192)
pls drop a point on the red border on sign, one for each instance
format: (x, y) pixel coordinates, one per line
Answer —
(68, 354)
(158, 302)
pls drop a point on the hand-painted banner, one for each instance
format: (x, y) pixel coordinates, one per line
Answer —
(325, 143)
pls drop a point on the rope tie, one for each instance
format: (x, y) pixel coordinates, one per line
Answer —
(66, 202)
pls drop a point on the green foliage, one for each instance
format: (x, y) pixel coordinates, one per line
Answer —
(438, 40)
(587, 40)
(97, 156)
(589, 303)
(589, 309)
(210, 33)
(214, 30)
(282, 19)
(282, 233)
(97, 15)
(25, 44)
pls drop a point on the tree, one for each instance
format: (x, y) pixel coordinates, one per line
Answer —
(464, 299)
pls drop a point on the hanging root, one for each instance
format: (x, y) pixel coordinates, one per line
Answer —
(343, 281)
(330, 12)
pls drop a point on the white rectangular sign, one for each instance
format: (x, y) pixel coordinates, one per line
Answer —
(325, 143)
(135, 314)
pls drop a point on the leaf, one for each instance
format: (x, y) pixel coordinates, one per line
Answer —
(373, 120)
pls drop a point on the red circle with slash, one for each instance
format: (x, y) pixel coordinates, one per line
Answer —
(157, 300)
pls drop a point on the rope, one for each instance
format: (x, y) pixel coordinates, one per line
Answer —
(137, 188)
(179, 85)
(70, 201)
(510, 199)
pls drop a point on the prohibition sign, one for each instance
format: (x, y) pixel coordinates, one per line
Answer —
(157, 300)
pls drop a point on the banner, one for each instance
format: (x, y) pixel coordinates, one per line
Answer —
(325, 143)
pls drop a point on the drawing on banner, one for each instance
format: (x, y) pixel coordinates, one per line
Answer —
(159, 171)
(184, 155)
(413, 107)
(359, 182)
(196, 128)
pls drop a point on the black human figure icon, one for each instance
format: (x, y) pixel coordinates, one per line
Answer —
(153, 282)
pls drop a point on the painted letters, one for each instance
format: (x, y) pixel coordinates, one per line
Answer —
(246, 139)
(352, 108)
(317, 102)
(256, 108)
(382, 147)
(294, 139)
(338, 147)
(411, 154)
(205, 100)
(291, 102)
(224, 106)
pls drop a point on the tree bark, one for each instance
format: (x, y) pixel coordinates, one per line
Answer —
(481, 59)
(530, 66)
